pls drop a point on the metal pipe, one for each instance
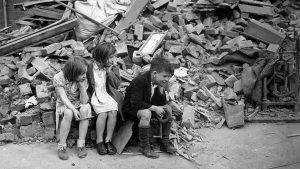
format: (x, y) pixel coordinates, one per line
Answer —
(87, 17)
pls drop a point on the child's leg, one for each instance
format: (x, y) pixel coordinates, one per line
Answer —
(85, 111)
(111, 123)
(100, 125)
(65, 126)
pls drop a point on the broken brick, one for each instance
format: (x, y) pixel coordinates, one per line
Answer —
(188, 92)
(68, 43)
(155, 21)
(18, 105)
(176, 50)
(51, 48)
(230, 80)
(190, 28)
(273, 47)
(7, 137)
(78, 49)
(202, 95)
(245, 44)
(199, 28)
(262, 45)
(48, 118)
(25, 89)
(49, 132)
(47, 106)
(237, 87)
(138, 31)
(4, 80)
(172, 7)
(234, 115)
(218, 78)
(148, 25)
(42, 93)
(33, 130)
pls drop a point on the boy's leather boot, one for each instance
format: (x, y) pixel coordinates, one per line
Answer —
(144, 133)
(165, 144)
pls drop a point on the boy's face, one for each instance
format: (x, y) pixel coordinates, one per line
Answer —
(161, 78)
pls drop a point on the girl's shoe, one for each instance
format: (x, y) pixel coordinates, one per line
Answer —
(101, 148)
(111, 149)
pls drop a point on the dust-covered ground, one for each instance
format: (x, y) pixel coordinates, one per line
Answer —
(255, 146)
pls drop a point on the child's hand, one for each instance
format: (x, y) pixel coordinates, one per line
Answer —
(109, 69)
(76, 114)
(159, 110)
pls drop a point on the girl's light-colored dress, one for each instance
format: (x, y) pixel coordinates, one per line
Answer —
(101, 100)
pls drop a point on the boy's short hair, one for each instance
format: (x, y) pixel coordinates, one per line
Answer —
(103, 51)
(161, 64)
(74, 67)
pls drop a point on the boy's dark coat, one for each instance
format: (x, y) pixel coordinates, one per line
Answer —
(137, 96)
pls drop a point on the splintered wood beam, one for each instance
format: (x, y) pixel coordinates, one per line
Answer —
(4, 13)
(67, 12)
(131, 14)
(45, 13)
(18, 45)
(31, 3)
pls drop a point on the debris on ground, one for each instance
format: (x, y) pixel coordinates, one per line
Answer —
(221, 50)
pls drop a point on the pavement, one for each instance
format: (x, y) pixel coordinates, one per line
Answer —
(255, 146)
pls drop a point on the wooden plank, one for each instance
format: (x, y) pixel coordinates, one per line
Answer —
(39, 30)
(263, 32)
(44, 13)
(159, 3)
(121, 138)
(4, 13)
(36, 37)
(265, 11)
(31, 3)
(67, 12)
(131, 14)
(256, 3)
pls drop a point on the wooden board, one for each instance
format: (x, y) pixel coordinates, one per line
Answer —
(18, 45)
(45, 13)
(131, 14)
(31, 3)
(264, 11)
(263, 32)
(121, 138)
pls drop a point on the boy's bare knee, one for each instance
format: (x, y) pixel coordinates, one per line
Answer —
(68, 114)
(144, 114)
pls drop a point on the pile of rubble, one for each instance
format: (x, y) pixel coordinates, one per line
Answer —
(215, 46)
